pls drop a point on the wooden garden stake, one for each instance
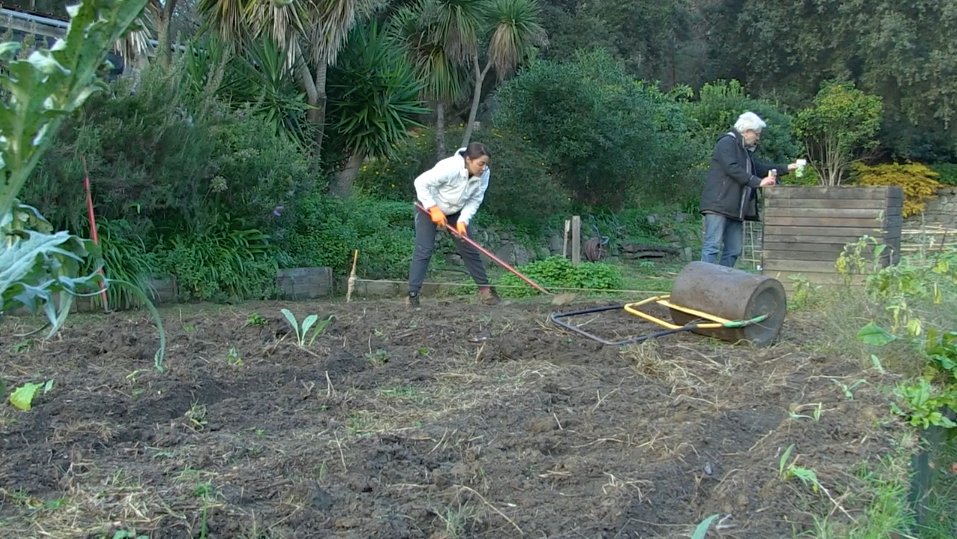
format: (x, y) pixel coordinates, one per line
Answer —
(352, 276)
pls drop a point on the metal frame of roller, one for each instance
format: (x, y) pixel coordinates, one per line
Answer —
(732, 294)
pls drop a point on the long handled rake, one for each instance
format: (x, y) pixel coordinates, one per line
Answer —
(559, 299)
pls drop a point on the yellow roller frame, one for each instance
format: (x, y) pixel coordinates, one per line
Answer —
(633, 308)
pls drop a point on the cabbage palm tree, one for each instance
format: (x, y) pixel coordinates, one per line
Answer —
(443, 78)
(515, 33)
(375, 98)
(311, 30)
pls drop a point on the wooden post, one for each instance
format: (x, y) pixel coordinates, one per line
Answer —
(352, 277)
(568, 228)
(576, 240)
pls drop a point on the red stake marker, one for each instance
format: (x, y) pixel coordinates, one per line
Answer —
(96, 239)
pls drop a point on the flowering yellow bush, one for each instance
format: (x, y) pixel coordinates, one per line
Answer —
(918, 181)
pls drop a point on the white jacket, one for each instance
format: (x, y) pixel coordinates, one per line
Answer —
(449, 186)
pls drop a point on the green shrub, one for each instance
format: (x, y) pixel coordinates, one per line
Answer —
(604, 134)
(947, 173)
(720, 103)
(325, 230)
(160, 161)
(558, 272)
(126, 258)
(522, 190)
(221, 265)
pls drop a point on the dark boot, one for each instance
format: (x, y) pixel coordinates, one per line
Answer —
(412, 300)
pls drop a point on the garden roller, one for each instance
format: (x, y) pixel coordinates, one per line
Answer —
(711, 300)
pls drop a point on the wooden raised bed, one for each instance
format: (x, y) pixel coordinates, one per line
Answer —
(806, 228)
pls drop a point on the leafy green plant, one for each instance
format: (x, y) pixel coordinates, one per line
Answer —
(40, 92)
(302, 332)
(559, 273)
(125, 258)
(256, 319)
(803, 290)
(23, 396)
(222, 264)
(946, 173)
(701, 530)
(848, 389)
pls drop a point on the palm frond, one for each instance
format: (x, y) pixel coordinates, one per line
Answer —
(517, 31)
(330, 22)
(228, 17)
(458, 24)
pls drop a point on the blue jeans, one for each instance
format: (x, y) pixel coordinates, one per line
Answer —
(719, 230)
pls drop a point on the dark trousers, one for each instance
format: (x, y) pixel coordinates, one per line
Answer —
(425, 231)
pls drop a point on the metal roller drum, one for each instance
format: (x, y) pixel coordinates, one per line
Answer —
(731, 294)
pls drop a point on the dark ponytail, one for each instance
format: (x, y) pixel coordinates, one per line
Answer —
(475, 150)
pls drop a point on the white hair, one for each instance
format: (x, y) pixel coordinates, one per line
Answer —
(749, 121)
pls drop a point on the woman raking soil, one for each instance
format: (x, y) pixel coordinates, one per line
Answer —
(451, 193)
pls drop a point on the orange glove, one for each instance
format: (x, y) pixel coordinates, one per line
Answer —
(437, 216)
(462, 228)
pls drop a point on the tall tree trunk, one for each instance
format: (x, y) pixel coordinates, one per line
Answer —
(312, 97)
(440, 130)
(164, 15)
(476, 100)
(347, 176)
(316, 97)
(318, 115)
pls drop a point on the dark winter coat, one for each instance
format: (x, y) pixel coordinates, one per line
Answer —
(733, 180)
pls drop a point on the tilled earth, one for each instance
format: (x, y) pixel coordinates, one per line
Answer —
(458, 420)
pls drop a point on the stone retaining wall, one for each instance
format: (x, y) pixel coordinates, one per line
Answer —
(519, 251)
(940, 211)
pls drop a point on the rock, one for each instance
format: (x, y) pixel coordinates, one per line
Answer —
(453, 259)
(652, 219)
(544, 252)
(681, 217)
(521, 255)
(506, 253)
(513, 253)
(555, 244)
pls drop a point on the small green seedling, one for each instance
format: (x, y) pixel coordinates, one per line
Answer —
(787, 471)
(379, 357)
(256, 319)
(848, 390)
(22, 346)
(232, 358)
(701, 531)
(23, 396)
(815, 415)
(306, 325)
(123, 534)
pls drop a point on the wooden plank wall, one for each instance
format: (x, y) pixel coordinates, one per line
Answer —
(806, 228)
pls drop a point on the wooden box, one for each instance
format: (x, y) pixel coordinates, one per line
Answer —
(806, 228)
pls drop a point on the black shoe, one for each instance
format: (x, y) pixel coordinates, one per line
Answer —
(412, 300)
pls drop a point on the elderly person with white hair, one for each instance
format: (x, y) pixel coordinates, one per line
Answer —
(730, 191)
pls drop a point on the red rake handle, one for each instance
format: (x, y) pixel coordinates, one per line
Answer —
(486, 252)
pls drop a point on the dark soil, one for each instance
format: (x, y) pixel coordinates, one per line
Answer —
(454, 421)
